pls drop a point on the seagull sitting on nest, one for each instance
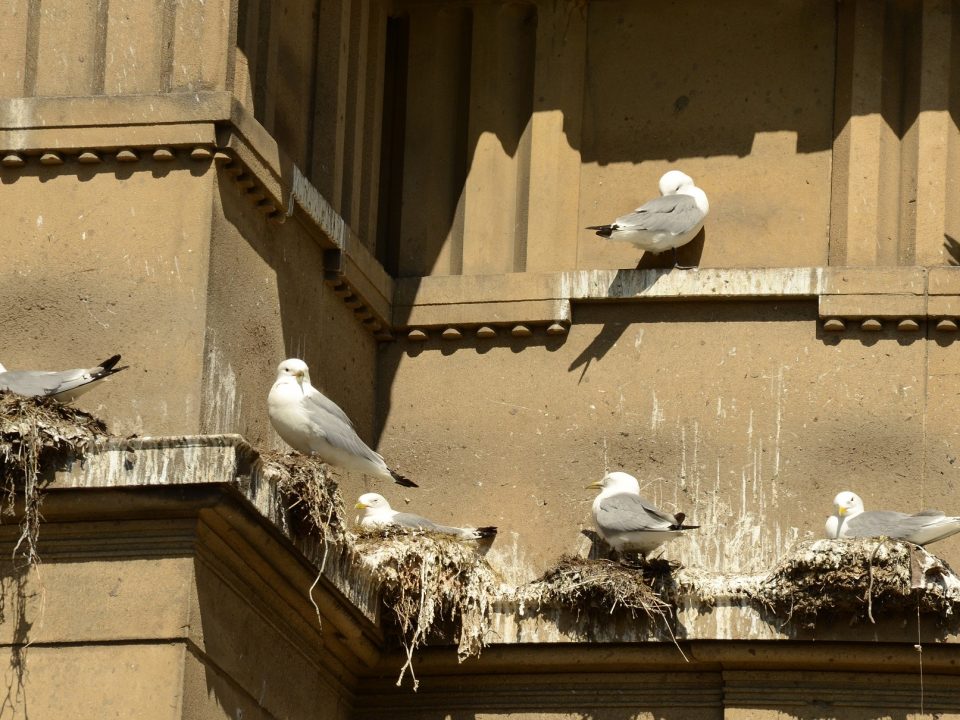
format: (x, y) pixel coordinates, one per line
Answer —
(62, 385)
(313, 424)
(664, 223)
(378, 513)
(628, 522)
(851, 520)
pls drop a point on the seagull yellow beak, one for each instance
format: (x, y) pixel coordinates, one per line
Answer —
(841, 511)
(360, 506)
(595, 485)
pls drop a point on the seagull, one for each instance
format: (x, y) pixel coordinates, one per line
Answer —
(61, 385)
(378, 513)
(628, 522)
(311, 423)
(664, 223)
(851, 520)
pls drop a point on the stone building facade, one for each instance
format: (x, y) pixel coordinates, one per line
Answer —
(397, 193)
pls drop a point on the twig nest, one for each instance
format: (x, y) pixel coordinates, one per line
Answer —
(604, 585)
(859, 578)
(315, 505)
(428, 579)
(34, 431)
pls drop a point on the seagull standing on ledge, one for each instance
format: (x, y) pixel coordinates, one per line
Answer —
(313, 424)
(851, 520)
(628, 522)
(664, 223)
(62, 385)
(378, 513)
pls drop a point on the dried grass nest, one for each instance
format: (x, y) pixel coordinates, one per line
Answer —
(35, 432)
(860, 578)
(605, 585)
(430, 582)
(313, 499)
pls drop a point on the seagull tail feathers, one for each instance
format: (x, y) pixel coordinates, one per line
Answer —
(107, 367)
(602, 230)
(402, 479)
(680, 517)
(486, 532)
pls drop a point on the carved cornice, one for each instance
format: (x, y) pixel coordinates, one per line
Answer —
(76, 134)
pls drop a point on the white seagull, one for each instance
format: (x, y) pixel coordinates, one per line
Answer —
(313, 424)
(851, 520)
(628, 522)
(664, 223)
(62, 385)
(378, 513)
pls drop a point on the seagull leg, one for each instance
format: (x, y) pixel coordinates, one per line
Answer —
(677, 265)
(632, 560)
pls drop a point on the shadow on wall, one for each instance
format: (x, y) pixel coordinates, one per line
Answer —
(433, 124)
(447, 135)
(273, 276)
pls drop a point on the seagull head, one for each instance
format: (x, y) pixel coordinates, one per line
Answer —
(372, 501)
(374, 507)
(847, 504)
(674, 181)
(295, 369)
(616, 482)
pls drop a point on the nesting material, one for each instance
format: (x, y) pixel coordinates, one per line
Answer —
(859, 579)
(601, 585)
(35, 432)
(314, 502)
(429, 579)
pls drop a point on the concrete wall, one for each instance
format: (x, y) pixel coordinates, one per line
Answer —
(138, 609)
(208, 187)
(743, 415)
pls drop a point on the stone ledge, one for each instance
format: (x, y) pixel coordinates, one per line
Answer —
(217, 460)
(70, 113)
(59, 130)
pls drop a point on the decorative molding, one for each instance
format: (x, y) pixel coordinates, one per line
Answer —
(90, 156)
(227, 461)
(214, 126)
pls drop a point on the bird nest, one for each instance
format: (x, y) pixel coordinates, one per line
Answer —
(312, 497)
(35, 433)
(430, 581)
(603, 585)
(859, 578)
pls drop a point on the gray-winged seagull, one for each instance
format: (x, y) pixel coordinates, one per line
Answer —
(62, 385)
(378, 513)
(311, 423)
(664, 223)
(851, 520)
(627, 521)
